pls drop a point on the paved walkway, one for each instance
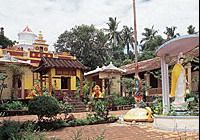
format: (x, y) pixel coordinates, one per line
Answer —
(114, 131)
(117, 131)
(76, 115)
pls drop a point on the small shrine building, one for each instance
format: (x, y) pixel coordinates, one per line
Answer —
(107, 77)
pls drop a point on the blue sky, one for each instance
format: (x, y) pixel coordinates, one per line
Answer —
(53, 17)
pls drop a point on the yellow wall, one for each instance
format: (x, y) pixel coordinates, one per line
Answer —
(57, 78)
(28, 78)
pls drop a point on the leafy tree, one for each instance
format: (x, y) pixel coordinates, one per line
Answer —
(150, 43)
(170, 32)
(5, 42)
(87, 43)
(191, 30)
(115, 41)
(148, 34)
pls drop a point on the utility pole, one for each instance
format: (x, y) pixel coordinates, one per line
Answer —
(135, 38)
(138, 84)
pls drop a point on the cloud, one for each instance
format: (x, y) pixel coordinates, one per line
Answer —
(53, 17)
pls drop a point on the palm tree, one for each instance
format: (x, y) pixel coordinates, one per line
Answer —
(149, 34)
(127, 37)
(170, 32)
(113, 34)
(191, 30)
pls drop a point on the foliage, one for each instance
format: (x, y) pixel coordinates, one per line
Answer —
(14, 105)
(2, 84)
(101, 109)
(157, 106)
(65, 108)
(170, 32)
(44, 106)
(5, 42)
(20, 131)
(117, 100)
(87, 43)
(193, 104)
(191, 30)
(38, 90)
(129, 85)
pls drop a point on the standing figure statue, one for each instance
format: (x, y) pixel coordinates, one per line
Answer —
(178, 85)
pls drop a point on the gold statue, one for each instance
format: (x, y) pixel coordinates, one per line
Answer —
(97, 92)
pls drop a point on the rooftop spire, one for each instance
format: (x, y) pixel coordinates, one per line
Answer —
(27, 29)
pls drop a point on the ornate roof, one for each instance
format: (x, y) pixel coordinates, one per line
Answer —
(47, 63)
(109, 68)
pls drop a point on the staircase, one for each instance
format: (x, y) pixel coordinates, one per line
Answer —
(76, 102)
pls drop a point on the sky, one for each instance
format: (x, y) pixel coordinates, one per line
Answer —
(53, 17)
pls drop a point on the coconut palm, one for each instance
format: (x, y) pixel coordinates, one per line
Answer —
(170, 32)
(149, 34)
(191, 30)
(113, 34)
(127, 37)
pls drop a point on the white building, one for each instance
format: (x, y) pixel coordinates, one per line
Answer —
(26, 38)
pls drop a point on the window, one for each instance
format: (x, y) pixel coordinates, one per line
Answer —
(65, 83)
(153, 81)
(41, 49)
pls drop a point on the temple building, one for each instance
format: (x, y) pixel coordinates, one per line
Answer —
(57, 72)
(149, 71)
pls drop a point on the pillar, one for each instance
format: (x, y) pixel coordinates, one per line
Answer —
(165, 85)
(50, 81)
(189, 75)
(103, 86)
(81, 84)
(22, 91)
(147, 80)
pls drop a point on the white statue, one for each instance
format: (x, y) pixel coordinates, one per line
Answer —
(178, 85)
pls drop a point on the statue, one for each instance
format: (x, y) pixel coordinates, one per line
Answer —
(178, 85)
(97, 92)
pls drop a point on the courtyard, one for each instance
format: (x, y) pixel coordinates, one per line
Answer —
(111, 131)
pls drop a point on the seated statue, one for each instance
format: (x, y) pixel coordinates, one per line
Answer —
(97, 92)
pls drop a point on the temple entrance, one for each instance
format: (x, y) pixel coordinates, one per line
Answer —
(65, 83)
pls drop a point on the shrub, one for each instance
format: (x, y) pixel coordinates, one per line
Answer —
(101, 109)
(9, 129)
(12, 130)
(14, 105)
(44, 106)
(157, 106)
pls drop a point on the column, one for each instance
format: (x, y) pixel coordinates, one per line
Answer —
(147, 80)
(22, 91)
(81, 84)
(41, 80)
(103, 86)
(165, 86)
(50, 81)
(189, 75)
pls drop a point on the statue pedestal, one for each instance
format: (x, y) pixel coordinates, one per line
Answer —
(180, 108)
